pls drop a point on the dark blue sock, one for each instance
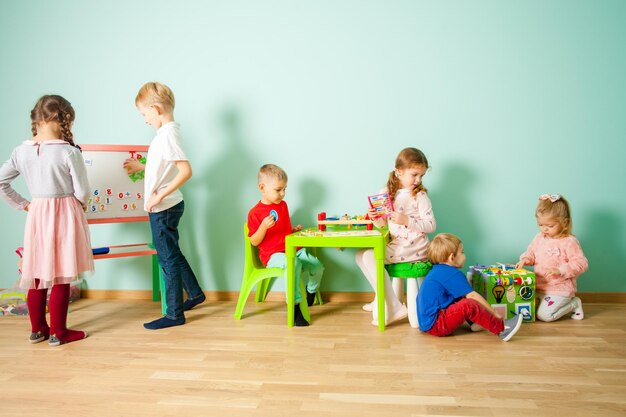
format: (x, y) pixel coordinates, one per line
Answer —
(163, 322)
(189, 304)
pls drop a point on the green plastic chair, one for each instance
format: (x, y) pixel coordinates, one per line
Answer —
(255, 274)
(413, 273)
(265, 286)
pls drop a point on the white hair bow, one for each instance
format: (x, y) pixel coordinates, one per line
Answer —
(551, 197)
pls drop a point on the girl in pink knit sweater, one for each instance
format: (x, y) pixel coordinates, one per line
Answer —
(558, 260)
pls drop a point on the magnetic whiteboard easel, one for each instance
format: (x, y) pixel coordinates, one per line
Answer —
(115, 196)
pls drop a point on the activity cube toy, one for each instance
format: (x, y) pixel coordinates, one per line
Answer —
(509, 291)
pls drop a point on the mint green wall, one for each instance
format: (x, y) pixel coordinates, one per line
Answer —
(508, 100)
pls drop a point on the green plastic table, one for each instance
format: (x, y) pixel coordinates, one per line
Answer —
(312, 238)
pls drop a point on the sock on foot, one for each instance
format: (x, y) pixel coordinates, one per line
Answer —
(400, 314)
(298, 318)
(189, 303)
(369, 306)
(578, 313)
(163, 323)
(476, 327)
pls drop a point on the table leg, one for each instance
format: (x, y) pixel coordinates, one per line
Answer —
(379, 255)
(158, 284)
(290, 255)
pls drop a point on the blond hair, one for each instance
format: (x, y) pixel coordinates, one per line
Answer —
(442, 246)
(152, 93)
(558, 210)
(272, 171)
(407, 158)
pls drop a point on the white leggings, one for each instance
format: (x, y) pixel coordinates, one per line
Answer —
(366, 261)
(553, 307)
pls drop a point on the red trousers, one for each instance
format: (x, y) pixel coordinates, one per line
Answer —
(464, 310)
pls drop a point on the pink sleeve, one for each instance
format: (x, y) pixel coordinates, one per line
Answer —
(576, 262)
(530, 252)
(425, 223)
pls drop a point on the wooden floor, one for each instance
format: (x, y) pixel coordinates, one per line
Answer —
(339, 366)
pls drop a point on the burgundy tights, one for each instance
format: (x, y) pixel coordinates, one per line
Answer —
(59, 303)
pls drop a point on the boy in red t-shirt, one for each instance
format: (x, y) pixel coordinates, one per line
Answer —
(269, 223)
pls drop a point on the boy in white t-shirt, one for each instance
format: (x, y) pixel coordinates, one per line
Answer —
(167, 168)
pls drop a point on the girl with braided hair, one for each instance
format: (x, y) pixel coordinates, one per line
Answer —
(409, 224)
(57, 246)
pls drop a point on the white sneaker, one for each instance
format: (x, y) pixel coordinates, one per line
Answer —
(578, 313)
(511, 326)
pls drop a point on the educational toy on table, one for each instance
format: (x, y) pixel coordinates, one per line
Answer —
(508, 290)
(344, 221)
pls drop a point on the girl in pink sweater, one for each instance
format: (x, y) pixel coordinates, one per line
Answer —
(558, 260)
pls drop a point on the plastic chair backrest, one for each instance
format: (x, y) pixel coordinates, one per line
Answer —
(252, 260)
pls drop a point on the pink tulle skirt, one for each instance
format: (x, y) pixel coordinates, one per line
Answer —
(57, 247)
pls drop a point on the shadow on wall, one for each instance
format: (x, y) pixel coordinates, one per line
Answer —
(221, 226)
(452, 208)
(312, 196)
(604, 248)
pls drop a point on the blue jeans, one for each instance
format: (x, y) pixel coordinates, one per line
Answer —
(305, 264)
(177, 273)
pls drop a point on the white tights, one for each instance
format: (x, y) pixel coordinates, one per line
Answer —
(553, 307)
(366, 261)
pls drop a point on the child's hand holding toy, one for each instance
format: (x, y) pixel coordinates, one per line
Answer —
(132, 165)
(268, 222)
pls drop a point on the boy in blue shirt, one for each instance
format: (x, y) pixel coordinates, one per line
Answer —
(446, 300)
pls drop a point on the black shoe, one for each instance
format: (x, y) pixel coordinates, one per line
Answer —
(298, 318)
(310, 298)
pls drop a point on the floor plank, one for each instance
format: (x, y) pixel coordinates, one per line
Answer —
(340, 366)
